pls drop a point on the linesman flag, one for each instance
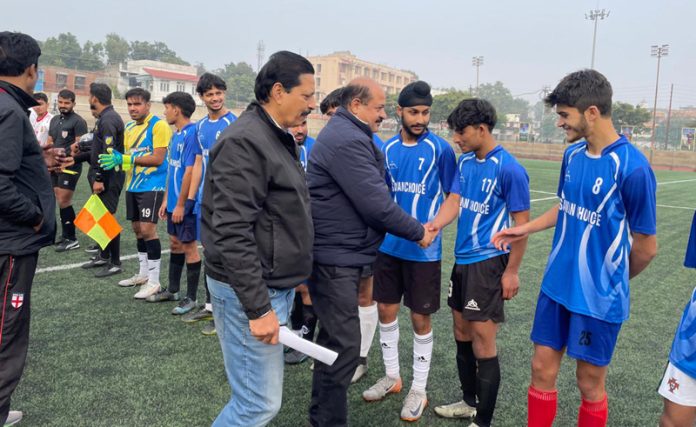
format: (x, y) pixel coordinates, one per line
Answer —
(97, 222)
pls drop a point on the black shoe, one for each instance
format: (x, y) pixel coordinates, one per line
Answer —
(94, 262)
(59, 241)
(92, 249)
(108, 270)
(67, 245)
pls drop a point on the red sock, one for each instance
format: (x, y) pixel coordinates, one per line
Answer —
(541, 407)
(593, 414)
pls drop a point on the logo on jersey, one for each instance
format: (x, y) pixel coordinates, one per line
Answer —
(472, 305)
(393, 166)
(567, 176)
(672, 384)
(109, 140)
(64, 134)
(17, 300)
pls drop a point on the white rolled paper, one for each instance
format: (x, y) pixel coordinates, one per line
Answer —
(316, 352)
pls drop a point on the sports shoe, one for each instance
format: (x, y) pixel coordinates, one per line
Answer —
(456, 410)
(13, 418)
(92, 249)
(414, 405)
(195, 316)
(67, 245)
(209, 328)
(147, 289)
(108, 270)
(294, 357)
(184, 306)
(360, 371)
(136, 280)
(474, 425)
(382, 388)
(163, 295)
(94, 262)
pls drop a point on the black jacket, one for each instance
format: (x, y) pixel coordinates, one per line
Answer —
(26, 194)
(352, 208)
(256, 226)
(108, 133)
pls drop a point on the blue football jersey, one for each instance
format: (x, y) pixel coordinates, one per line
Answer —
(183, 150)
(378, 142)
(490, 190)
(305, 149)
(207, 133)
(690, 258)
(418, 175)
(683, 353)
(602, 200)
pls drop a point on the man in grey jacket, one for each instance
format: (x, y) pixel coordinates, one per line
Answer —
(257, 235)
(27, 208)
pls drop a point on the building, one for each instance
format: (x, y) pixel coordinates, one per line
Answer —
(158, 78)
(54, 79)
(337, 69)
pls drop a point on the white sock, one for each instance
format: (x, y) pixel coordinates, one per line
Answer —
(153, 270)
(142, 258)
(422, 353)
(209, 306)
(368, 327)
(389, 340)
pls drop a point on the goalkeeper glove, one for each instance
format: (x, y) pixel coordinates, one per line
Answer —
(115, 159)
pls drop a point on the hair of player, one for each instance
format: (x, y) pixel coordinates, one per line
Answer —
(282, 67)
(40, 96)
(138, 92)
(67, 94)
(332, 100)
(18, 52)
(184, 101)
(209, 81)
(352, 91)
(581, 90)
(472, 112)
(102, 92)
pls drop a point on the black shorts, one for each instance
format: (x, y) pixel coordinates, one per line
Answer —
(418, 283)
(185, 231)
(143, 206)
(475, 289)
(65, 180)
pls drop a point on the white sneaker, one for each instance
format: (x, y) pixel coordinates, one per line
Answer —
(456, 410)
(382, 388)
(360, 372)
(147, 289)
(414, 405)
(136, 280)
(13, 418)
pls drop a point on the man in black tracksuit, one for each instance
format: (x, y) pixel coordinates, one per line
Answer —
(352, 210)
(27, 208)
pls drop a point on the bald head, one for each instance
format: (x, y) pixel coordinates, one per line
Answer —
(365, 99)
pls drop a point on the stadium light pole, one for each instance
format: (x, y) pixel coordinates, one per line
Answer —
(595, 15)
(657, 52)
(477, 61)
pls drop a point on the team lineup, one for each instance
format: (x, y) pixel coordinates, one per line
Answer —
(331, 235)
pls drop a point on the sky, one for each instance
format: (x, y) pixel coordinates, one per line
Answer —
(525, 44)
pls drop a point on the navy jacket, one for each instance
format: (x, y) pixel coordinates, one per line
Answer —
(352, 208)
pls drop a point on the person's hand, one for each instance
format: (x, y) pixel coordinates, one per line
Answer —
(97, 187)
(511, 285)
(429, 234)
(115, 159)
(67, 162)
(178, 214)
(265, 329)
(502, 239)
(75, 149)
(163, 210)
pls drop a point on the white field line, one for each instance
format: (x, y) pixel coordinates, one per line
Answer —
(77, 265)
(676, 182)
(676, 207)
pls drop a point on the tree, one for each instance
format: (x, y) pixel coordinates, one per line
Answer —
(116, 48)
(156, 51)
(92, 54)
(240, 79)
(503, 101)
(390, 106)
(445, 103)
(61, 51)
(624, 114)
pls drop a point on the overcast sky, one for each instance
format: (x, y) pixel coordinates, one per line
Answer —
(526, 44)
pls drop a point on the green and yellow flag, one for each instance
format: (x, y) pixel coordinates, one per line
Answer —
(97, 222)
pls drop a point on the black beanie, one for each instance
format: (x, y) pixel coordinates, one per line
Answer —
(416, 93)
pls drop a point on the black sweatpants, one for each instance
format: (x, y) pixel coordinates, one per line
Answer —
(334, 292)
(16, 276)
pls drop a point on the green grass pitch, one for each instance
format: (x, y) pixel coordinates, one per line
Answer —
(99, 358)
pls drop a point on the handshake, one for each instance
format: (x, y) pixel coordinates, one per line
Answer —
(430, 232)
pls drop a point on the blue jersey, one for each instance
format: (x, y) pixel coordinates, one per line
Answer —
(378, 142)
(683, 354)
(690, 258)
(207, 133)
(418, 175)
(602, 200)
(305, 149)
(183, 150)
(490, 190)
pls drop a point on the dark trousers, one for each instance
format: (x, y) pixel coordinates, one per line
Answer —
(16, 276)
(334, 292)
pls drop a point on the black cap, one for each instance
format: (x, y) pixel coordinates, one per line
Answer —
(416, 93)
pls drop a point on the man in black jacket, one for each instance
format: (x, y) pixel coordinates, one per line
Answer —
(256, 230)
(27, 208)
(352, 210)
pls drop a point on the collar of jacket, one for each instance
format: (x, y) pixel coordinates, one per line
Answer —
(285, 138)
(22, 98)
(350, 116)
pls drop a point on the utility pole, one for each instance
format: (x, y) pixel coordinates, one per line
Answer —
(260, 53)
(595, 15)
(477, 61)
(658, 52)
(669, 114)
(544, 92)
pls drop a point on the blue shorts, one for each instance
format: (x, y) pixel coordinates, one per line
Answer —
(186, 231)
(585, 338)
